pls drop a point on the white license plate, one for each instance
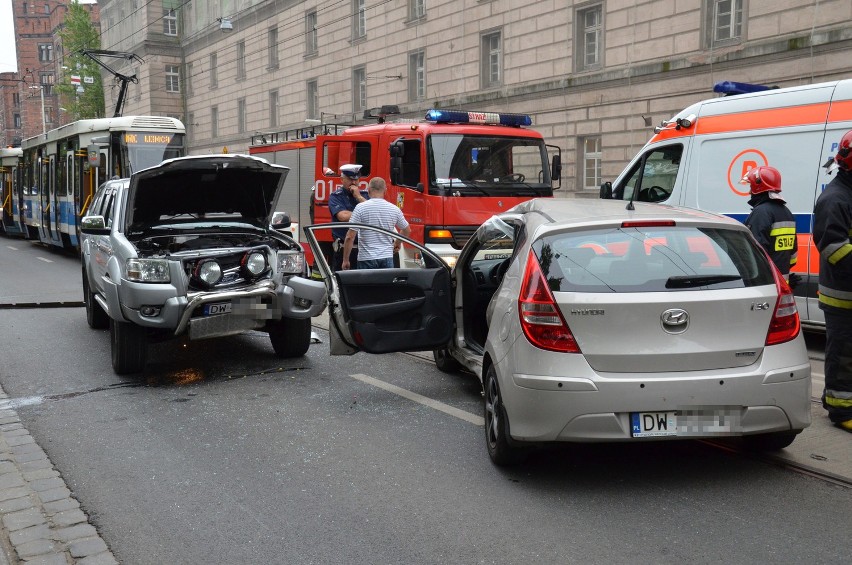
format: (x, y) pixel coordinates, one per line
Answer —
(217, 308)
(653, 424)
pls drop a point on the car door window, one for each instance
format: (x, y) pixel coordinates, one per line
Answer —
(652, 178)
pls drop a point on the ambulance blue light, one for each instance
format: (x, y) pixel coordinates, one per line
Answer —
(462, 117)
(729, 88)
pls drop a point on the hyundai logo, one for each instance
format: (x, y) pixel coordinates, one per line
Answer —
(674, 320)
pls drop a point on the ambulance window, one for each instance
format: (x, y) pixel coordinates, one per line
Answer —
(653, 177)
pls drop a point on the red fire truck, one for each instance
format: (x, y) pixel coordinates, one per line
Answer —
(447, 173)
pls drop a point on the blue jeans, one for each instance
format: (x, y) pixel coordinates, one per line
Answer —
(386, 263)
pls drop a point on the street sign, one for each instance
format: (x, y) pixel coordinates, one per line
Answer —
(75, 79)
(89, 80)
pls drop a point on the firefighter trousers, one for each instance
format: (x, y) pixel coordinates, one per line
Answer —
(837, 397)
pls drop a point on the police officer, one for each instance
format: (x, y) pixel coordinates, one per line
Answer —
(832, 234)
(341, 202)
(770, 221)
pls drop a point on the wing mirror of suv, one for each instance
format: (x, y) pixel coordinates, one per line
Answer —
(94, 225)
(280, 220)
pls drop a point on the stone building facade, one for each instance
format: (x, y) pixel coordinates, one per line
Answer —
(596, 75)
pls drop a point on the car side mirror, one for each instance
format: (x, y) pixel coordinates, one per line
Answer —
(280, 220)
(93, 225)
(556, 168)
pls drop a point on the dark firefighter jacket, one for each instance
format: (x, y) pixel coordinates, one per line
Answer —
(774, 227)
(832, 233)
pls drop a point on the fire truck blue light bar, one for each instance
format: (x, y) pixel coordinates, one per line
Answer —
(462, 117)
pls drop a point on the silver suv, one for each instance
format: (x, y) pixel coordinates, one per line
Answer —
(187, 248)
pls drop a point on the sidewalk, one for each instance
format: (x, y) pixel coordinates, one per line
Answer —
(42, 523)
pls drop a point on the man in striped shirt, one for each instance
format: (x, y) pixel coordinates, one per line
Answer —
(375, 249)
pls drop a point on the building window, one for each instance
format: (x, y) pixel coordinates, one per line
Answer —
(312, 93)
(241, 60)
(47, 81)
(214, 65)
(16, 99)
(272, 36)
(17, 121)
(214, 121)
(416, 9)
(45, 52)
(172, 78)
(359, 18)
(187, 81)
(359, 89)
(311, 37)
(591, 160)
(241, 115)
(724, 21)
(492, 59)
(273, 108)
(589, 34)
(417, 76)
(169, 21)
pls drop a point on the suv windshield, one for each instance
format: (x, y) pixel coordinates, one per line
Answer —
(489, 165)
(659, 260)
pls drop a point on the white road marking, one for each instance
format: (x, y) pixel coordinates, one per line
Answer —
(420, 399)
(12, 248)
(44, 259)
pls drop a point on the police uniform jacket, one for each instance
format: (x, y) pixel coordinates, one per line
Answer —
(774, 227)
(832, 234)
(338, 201)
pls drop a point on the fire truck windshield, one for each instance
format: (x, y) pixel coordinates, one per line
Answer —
(476, 165)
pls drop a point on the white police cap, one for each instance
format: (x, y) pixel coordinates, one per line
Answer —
(351, 171)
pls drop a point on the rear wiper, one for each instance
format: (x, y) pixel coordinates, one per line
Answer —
(690, 281)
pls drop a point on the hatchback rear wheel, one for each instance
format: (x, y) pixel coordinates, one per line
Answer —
(497, 424)
(774, 441)
(445, 362)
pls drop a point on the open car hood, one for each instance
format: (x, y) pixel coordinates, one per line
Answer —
(223, 188)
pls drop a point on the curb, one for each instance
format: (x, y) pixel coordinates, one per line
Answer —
(40, 521)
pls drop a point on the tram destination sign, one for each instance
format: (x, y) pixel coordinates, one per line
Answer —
(142, 138)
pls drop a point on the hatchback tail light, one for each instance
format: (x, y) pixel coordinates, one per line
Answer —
(785, 324)
(541, 319)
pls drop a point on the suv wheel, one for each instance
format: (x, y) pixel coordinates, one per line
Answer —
(290, 337)
(497, 425)
(95, 315)
(129, 347)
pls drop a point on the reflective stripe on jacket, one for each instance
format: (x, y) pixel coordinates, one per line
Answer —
(833, 239)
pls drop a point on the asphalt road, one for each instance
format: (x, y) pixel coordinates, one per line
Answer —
(221, 453)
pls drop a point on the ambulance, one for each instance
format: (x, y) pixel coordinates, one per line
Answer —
(697, 158)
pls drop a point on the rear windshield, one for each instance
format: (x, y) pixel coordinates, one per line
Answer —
(651, 260)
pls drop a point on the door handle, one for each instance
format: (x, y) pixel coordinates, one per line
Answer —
(400, 279)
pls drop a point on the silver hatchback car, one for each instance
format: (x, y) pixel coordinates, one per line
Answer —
(589, 322)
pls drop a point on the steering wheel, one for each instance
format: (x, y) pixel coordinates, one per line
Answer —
(499, 270)
(514, 177)
(655, 193)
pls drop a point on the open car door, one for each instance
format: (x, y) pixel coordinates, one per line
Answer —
(386, 310)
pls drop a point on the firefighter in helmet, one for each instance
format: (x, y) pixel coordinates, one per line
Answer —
(832, 235)
(770, 221)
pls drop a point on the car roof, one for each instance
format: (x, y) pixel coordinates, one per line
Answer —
(564, 212)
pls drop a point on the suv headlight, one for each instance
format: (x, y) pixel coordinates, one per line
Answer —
(291, 262)
(148, 270)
